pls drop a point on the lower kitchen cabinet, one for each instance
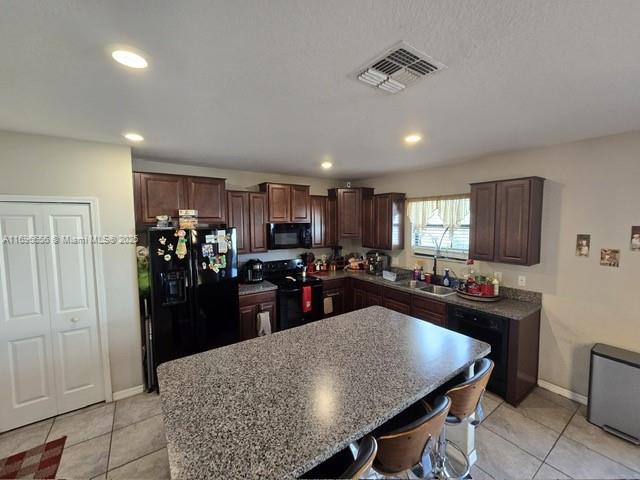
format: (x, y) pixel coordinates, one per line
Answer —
(336, 290)
(396, 300)
(365, 294)
(250, 306)
(429, 309)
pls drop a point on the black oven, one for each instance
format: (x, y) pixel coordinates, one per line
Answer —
(289, 235)
(491, 329)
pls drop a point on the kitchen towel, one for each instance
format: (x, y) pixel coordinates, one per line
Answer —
(306, 299)
(328, 305)
(264, 324)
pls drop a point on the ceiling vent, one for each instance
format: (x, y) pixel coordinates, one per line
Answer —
(397, 68)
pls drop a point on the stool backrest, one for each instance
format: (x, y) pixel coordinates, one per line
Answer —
(362, 464)
(403, 448)
(466, 396)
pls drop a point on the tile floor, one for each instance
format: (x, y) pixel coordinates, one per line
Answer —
(120, 440)
(546, 437)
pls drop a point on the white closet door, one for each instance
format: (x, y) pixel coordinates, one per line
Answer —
(72, 299)
(26, 353)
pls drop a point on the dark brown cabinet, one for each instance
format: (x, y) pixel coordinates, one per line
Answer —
(506, 221)
(158, 194)
(349, 211)
(337, 291)
(396, 300)
(331, 230)
(162, 194)
(246, 212)
(319, 207)
(287, 203)
(389, 221)
(429, 309)
(368, 219)
(238, 217)
(250, 306)
(208, 197)
(365, 294)
(258, 221)
(483, 221)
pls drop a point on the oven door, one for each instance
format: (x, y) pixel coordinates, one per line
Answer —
(492, 330)
(289, 235)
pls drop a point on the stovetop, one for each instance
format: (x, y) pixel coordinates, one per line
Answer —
(277, 272)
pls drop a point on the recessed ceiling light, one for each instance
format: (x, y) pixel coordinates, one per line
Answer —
(326, 165)
(129, 59)
(134, 137)
(413, 138)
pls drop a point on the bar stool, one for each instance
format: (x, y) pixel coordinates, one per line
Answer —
(408, 447)
(466, 398)
(343, 465)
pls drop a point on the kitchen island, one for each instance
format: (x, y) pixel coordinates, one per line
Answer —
(276, 406)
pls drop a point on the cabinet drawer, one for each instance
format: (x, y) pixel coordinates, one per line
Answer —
(397, 296)
(256, 298)
(334, 283)
(392, 304)
(433, 306)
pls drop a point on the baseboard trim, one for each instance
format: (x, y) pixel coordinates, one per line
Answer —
(128, 392)
(576, 397)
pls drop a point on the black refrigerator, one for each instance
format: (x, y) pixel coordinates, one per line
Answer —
(194, 293)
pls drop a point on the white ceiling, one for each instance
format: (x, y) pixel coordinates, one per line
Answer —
(266, 84)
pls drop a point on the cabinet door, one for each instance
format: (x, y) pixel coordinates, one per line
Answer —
(512, 230)
(368, 221)
(208, 196)
(160, 194)
(483, 217)
(349, 213)
(359, 298)
(373, 299)
(337, 298)
(382, 207)
(238, 217)
(248, 319)
(318, 221)
(300, 204)
(428, 309)
(331, 230)
(258, 220)
(279, 198)
(269, 306)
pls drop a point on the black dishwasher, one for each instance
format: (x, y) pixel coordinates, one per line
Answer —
(491, 329)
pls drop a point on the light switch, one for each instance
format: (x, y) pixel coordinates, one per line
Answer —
(522, 281)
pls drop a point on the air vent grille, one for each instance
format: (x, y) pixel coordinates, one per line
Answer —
(397, 68)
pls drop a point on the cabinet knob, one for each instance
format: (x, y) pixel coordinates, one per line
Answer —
(75, 319)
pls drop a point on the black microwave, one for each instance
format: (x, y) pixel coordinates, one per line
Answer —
(289, 235)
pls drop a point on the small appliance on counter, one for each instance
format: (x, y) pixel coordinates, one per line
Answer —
(377, 262)
(253, 271)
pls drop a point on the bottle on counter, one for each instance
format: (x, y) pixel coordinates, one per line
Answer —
(422, 274)
(446, 280)
(496, 287)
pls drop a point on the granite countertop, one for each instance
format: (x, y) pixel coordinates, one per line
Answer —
(516, 309)
(249, 288)
(278, 405)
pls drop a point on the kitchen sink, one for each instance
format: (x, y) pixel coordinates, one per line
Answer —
(438, 290)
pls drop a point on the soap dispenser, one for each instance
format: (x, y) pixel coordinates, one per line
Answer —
(446, 280)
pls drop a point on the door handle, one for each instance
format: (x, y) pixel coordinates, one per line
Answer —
(74, 319)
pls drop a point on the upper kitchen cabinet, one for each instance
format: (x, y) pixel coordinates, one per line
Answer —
(287, 203)
(162, 194)
(319, 207)
(506, 221)
(382, 220)
(246, 211)
(349, 210)
(208, 197)
(158, 194)
(331, 224)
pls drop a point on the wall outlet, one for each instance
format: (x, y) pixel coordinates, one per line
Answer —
(498, 276)
(522, 281)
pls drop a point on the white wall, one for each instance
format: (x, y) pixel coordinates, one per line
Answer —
(41, 165)
(592, 187)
